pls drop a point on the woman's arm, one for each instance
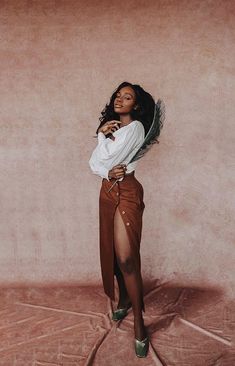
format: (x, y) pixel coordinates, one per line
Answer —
(109, 153)
(112, 152)
(117, 171)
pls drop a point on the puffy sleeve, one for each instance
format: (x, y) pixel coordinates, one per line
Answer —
(97, 167)
(109, 153)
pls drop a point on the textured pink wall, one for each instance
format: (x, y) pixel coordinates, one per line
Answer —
(60, 62)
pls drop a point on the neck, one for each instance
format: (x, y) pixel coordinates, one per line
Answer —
(125, 119)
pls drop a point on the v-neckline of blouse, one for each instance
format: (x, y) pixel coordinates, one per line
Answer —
(126, 125)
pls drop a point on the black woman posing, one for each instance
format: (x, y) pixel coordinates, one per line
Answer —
(123, 126)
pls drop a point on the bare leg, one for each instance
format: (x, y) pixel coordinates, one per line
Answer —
(124, 300)
(131, 274)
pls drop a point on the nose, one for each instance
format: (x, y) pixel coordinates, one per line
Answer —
(118, 99)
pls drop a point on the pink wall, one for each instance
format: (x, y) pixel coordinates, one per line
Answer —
(59, 65)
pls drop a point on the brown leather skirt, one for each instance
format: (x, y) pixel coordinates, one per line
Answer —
(127, 196)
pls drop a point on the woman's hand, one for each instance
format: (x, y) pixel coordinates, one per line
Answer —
(118, 171)
(109, 127)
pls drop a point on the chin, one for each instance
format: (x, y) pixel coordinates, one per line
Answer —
(119, 111)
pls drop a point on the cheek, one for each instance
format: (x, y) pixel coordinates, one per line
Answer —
(129, 104)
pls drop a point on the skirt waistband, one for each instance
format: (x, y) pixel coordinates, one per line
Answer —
(131, 173)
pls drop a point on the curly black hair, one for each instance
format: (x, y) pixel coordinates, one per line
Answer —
(144, 113)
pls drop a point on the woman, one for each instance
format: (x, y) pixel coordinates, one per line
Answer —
(123, 126)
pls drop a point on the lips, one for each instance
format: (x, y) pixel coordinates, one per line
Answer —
(118, 106)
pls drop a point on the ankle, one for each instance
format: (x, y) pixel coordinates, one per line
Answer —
(140, 333)
(124, 302)
(139, 325)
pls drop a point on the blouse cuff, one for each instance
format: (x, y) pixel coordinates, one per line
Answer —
(107, 175)
(104, 172)
(101, 137)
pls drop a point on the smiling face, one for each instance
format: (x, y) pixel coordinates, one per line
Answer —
(125, 100)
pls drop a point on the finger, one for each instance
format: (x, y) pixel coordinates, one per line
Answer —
(113, 125)
(120, 172)
(120, 175)
(118, 166)
(116, 123)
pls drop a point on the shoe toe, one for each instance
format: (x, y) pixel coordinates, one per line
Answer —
(141, 347)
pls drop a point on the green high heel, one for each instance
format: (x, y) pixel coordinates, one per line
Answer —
(119, 314)
(141, 347)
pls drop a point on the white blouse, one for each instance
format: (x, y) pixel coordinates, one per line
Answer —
(108, 152)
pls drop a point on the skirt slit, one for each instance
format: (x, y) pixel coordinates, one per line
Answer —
(127, 197)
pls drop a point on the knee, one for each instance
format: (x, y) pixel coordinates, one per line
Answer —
(127, 265)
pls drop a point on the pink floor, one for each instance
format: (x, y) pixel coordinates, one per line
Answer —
(70, 326)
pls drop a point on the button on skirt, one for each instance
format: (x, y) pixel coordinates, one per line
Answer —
(127, 196)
